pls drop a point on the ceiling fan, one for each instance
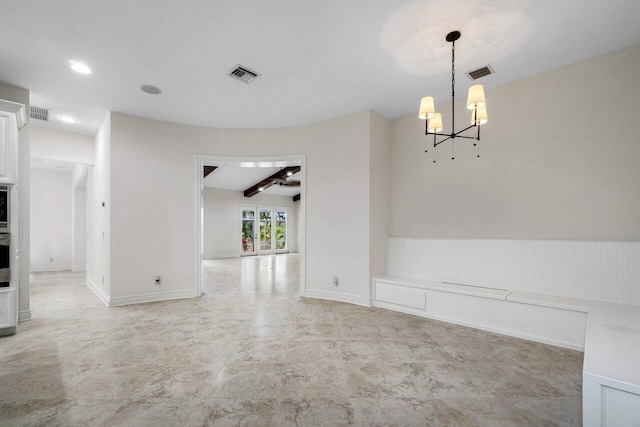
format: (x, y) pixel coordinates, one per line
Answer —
(285, 182)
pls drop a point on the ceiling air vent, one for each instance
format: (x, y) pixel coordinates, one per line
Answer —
(243, 74)
(480, 72)
(39, 113)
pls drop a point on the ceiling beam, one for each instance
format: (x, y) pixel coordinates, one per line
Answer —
(268, 182)
(209, 169)
(296, 197)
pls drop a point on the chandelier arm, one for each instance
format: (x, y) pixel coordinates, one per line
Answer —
(466, 137)
(464, 130)
(435, 144)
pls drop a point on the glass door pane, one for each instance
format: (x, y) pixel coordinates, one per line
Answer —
(248, 230)
(265, 230)
(281, 230)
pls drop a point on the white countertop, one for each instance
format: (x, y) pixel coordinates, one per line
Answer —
(612, 347)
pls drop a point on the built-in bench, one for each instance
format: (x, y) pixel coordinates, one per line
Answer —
(609, 334)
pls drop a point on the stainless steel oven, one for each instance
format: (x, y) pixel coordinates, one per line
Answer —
(5, 276)
(4, 208)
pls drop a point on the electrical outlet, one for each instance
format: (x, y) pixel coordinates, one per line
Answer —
(335, 280)
(158, 280)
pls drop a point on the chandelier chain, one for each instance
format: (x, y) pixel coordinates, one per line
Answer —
(453, 69)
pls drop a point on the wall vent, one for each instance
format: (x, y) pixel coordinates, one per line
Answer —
(39, 113)
(243, 74)
(480, 72)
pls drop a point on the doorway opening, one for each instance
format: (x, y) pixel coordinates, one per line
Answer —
(58, 215)
(250, 207)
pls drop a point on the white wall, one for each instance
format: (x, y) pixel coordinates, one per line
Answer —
(153, 214)
(79, 235)
(50, 220)
(222, 220)
(80, 201)
(15, 94)
(98, 248)
(559, 160)
(65, 146)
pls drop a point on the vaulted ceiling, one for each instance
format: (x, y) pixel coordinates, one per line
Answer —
(317, 59)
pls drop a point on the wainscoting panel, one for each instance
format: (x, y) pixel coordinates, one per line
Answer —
(602, 271)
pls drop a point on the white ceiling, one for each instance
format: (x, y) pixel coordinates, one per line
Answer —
(318, 59)
(231, 177)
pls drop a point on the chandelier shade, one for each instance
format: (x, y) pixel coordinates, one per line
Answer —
(481, 116)
(435, 123)
(475, 98)
(427, 108)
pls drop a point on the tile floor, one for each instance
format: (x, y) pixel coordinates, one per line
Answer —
(250, 352)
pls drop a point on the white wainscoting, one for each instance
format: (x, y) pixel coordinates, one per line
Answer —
(601, 271)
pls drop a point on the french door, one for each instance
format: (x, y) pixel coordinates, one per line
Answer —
(263, 230)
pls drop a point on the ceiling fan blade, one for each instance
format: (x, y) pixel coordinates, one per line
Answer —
(292, 183)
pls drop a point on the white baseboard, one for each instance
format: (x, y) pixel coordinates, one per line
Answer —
(153, 297)
(340, 297)
(24, 315)
(99, 292)
(221, 256)
(41, 268)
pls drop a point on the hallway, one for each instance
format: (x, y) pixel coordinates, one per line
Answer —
(250, 352)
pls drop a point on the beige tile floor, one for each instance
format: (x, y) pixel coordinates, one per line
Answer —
(250, 352)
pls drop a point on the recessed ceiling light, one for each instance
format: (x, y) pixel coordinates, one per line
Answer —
(67, 119)
(150, 89)
(79, 67)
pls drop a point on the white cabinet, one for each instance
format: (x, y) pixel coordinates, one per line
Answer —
(12, 118)
(7, 308)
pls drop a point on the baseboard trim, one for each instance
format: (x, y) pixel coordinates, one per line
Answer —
(99, 292)
(222, 256)
(340, 297)
(153, 297)
(42, 268)
(24, 315)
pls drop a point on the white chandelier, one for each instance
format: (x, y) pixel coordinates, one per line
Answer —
(475, 102)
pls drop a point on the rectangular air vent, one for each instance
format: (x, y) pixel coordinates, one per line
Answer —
(243, 74)
(39, 113)
(480, 72)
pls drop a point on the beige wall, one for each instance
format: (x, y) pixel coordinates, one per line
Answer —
(16, 94)
(380, 136)
(153, 200)
(560, 159)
